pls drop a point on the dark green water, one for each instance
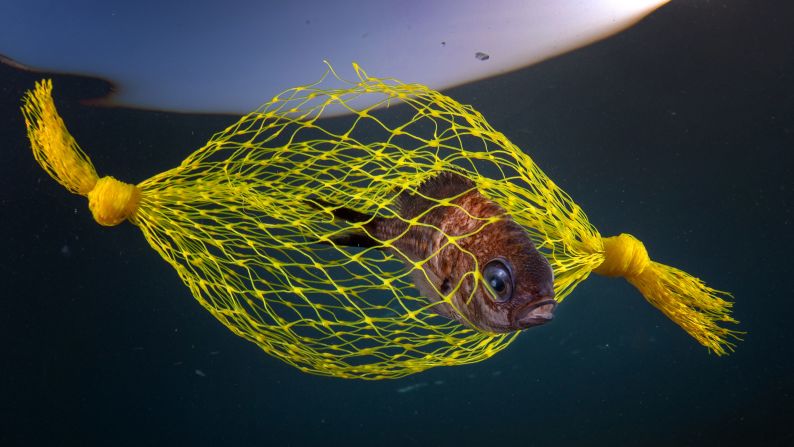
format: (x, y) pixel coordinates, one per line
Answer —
(680, 131)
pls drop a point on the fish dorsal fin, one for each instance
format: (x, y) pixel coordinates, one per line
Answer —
(442, 186)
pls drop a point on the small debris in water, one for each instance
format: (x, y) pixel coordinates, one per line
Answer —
(413, 387)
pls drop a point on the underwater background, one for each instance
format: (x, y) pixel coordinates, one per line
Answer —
(679, 130)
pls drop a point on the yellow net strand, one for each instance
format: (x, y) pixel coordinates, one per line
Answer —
(244, 222)
(686, 300)
(53, 146)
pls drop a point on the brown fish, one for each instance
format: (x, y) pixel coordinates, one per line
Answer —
(517, 286)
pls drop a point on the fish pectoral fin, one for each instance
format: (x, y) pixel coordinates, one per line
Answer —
(446, 286)
(424, 281)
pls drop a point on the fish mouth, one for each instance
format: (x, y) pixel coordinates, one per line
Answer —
(536, 314)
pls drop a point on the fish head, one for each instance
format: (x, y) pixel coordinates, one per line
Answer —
(514, 288)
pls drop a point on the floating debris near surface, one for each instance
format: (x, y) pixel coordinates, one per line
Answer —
(412, 387)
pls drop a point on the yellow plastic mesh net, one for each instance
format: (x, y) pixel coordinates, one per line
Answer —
(246, 223)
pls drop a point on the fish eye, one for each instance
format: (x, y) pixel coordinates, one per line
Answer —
(498, 280)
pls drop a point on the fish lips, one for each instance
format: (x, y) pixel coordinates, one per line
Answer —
(535, 313)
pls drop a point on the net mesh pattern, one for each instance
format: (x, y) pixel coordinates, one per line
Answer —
(245, 221)
(250, 222)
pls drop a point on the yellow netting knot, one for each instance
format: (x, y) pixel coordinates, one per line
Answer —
(624, 256)
(112, 201)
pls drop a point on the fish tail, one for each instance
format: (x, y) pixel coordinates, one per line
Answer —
(355, 237)
(340, 212)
